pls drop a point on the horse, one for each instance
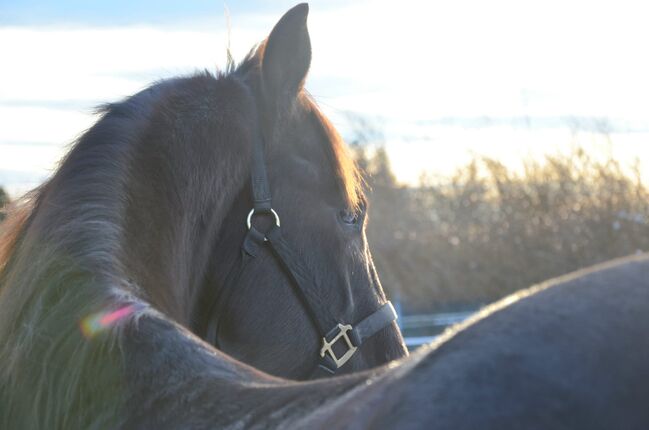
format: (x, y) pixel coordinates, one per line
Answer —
(146, 215)
(132, 295)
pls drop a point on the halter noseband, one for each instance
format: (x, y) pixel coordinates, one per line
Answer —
(305, 285)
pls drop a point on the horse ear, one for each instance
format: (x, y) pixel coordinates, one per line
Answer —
(287, 55)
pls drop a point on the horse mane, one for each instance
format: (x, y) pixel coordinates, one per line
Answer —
(347, 172)
(59, 262)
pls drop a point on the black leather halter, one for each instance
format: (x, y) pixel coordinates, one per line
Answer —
(331, 330)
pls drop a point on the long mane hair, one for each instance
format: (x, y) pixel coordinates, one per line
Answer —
(59, 261)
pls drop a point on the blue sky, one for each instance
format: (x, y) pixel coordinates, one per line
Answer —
(441, 80)
(148, 12)
(122, 12)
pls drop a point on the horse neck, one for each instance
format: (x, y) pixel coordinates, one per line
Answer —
(136, 204)
(184, 175)
(226, 393)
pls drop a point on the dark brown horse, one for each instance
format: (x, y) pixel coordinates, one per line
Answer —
(146, 216)
(112, 273)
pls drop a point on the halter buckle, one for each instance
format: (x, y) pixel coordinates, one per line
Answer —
(327, 345)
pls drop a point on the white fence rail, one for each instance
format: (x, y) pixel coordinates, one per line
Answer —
(433, 322)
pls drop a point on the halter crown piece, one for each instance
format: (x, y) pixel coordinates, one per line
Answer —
(332, 332)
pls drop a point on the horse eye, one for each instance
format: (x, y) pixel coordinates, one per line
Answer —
(349, 217)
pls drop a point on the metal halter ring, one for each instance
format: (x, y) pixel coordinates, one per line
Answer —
(252, 212)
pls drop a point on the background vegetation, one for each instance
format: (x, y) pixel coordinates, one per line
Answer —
(4, 199)
(460, 242)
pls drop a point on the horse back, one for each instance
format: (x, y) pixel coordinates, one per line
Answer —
(570, 353)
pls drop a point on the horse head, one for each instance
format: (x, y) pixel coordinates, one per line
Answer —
(258, 314)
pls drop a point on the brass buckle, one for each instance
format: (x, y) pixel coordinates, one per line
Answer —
(327, 345)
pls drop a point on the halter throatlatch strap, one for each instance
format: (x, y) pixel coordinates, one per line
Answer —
(333, 333)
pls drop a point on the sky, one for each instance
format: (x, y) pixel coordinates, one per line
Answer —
(440, 81)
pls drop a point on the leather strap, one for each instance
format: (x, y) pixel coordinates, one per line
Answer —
(262, 201)
(307, 288)
(373, 324)
(302, 279)
(252, 245)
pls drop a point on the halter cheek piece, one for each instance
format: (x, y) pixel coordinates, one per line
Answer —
(349, 337)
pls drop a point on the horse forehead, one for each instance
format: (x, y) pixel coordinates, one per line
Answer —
(301, 156)
(314, 176)
(305, 166)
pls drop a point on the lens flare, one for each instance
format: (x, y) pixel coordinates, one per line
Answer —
(96, 323)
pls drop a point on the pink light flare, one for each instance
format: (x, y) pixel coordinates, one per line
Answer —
(95, 323)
